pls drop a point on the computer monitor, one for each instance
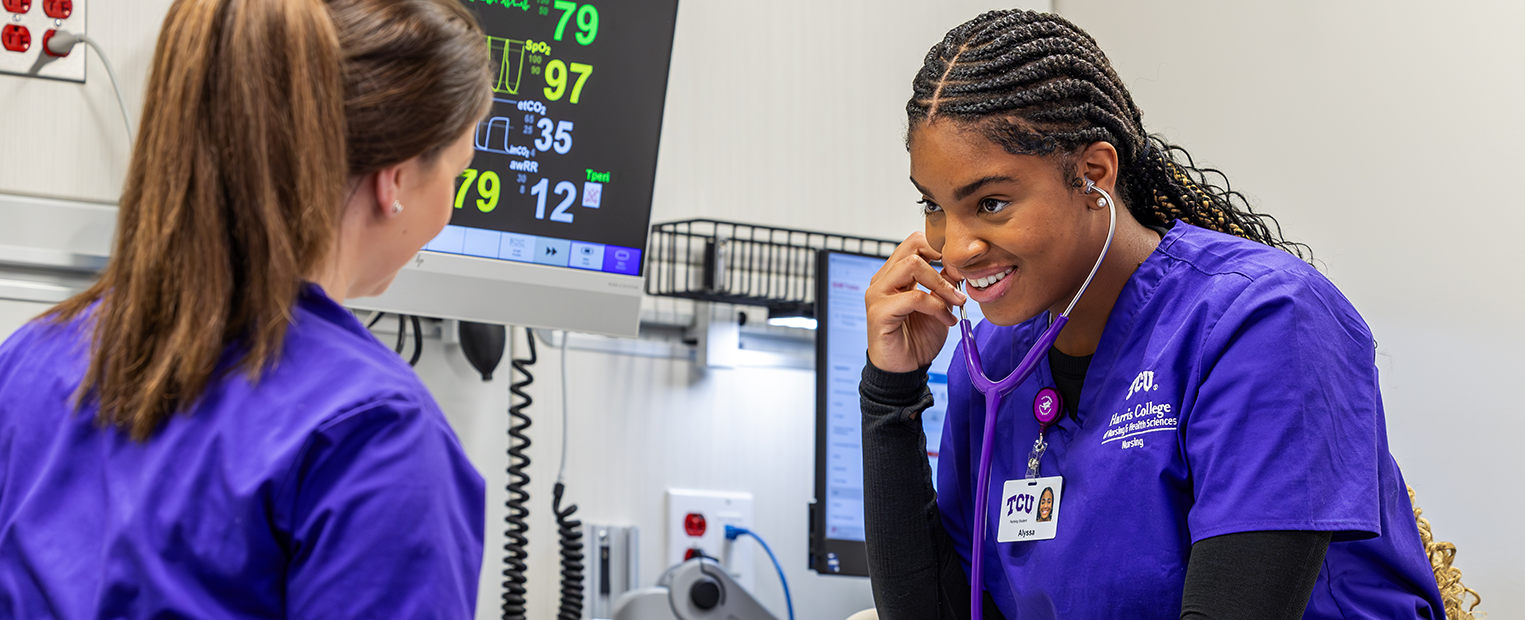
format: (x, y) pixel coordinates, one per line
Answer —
(550, 221)
(841, 340)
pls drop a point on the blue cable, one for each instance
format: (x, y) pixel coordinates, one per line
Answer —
(732, 533)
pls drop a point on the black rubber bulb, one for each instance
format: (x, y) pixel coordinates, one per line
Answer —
(705, 593)
(483, 345)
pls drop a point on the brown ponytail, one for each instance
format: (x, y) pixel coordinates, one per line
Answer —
(254, 113)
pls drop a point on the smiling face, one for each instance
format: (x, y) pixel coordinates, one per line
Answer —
(1013, 226)
(1046, 505)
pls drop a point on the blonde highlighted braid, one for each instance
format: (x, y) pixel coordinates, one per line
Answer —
(1452, 592)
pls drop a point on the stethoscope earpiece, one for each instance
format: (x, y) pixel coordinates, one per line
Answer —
(1105, 200)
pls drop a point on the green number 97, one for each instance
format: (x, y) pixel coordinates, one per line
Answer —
(487, 186)
(555, 79)
(587, 24)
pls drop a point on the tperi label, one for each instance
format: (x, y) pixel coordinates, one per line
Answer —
(1029, 509)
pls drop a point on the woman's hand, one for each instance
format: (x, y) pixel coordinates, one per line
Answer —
(906, 326)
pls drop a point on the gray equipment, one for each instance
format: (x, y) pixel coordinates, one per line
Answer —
(613, 571)
(698, 589)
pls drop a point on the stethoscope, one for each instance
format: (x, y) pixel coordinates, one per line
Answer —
(994, 390)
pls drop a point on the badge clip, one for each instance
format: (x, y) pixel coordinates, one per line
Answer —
(1046, 407)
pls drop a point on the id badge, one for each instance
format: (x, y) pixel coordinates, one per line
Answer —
(1029, 509)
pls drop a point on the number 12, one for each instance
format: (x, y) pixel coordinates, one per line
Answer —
(564, 188)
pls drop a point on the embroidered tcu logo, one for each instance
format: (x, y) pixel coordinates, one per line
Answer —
(1144, 382)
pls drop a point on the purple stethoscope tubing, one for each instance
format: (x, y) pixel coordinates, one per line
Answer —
(994, 390)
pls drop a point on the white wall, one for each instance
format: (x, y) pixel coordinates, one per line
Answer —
(1385, 134)
(792, 113)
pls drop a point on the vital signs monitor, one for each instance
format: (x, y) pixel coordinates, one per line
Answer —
(550, 221)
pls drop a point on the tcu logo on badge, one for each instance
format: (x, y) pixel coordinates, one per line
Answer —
(1019, 503)
(1144, 382)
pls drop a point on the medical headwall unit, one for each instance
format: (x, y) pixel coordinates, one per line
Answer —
(836, 517)
(550, 221)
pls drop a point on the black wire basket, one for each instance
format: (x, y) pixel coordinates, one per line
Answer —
(727, 262)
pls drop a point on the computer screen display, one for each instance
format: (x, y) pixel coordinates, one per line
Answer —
(550, 222)
(841, 351)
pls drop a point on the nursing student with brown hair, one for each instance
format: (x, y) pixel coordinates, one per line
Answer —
(207, 432)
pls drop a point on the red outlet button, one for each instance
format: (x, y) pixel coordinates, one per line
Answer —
(694, 525)
(18, 6)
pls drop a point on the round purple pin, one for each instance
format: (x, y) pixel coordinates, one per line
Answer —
(1046, 407)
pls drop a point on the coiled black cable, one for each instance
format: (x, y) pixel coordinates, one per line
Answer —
(570, 532)
(518, 491)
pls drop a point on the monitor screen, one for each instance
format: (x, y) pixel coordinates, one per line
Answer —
(837, 531)
(555, 209)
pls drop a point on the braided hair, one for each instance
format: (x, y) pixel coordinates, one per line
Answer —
(1036, 84)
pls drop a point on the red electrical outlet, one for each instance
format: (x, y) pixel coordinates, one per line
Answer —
(57, 9)
(47, 36)
(18, 6)
(16, 38)
(694, 525)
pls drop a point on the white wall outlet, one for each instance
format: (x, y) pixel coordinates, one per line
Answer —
(25, 25)
(718, 509)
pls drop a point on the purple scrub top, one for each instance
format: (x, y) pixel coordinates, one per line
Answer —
(1234, 390)
(332, 488)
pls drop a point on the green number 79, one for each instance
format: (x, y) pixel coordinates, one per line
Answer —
(469, 175)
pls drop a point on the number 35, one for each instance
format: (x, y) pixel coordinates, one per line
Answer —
(561, 141)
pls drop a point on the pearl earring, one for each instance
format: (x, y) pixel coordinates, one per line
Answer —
(396, 207)
(1101, 202)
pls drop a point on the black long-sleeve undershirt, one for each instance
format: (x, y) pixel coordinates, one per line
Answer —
(917, 574)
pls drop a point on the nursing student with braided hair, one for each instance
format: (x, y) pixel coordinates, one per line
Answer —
(1260, 486)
